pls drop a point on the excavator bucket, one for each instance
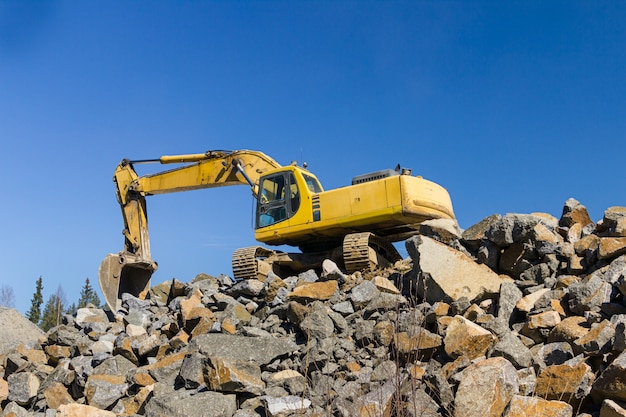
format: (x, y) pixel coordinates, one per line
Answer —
(123, 273)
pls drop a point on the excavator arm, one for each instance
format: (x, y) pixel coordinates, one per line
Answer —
(130, 270)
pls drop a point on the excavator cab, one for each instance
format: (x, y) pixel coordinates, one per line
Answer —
(278, 200)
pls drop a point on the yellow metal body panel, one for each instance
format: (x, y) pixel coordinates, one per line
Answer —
(392, 207)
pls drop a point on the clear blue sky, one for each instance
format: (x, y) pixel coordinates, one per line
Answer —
(512, 106)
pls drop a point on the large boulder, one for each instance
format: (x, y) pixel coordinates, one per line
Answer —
(486, 388)
(445, 274)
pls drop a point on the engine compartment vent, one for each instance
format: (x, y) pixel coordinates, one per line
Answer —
(373, 176)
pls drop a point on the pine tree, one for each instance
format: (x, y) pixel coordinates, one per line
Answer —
(72, 309)
(88, 296)
(55, 306)
(34, 314)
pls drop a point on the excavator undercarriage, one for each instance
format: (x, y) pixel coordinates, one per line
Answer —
(359, 252)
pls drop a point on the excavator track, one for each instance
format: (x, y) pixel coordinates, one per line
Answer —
(362, 252)
(245, 261)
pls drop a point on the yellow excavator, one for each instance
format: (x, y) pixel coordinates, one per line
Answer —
(353, 225)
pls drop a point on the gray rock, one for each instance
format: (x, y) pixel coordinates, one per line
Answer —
(555, 353)
(192, 370)
(82, 366)
(537, 274)
(376, 401)
(102, 346)
(307, 276)
(138, 317)
(614, 222)
(246, 288)
(343, 307)
(208, 284)
(363, 293)
(13, 409)
(167, 369)
(438, 385)
(489, 254)
(190, 404)
(67, 336)
(15, 363)
(117, 365)
(509, 296)
(102, 391)
(544, 302)
(355, 349)
(146, 346)
(234, 375)
(317, 324)
(132, 303)
(364, 331)
(527, 379)
(419, 404)
(385, 371)
(616, 274)
(412, 317)
(619, 322)
(261, 350)
(511, 228)
(510, 347)
(254, 332)
(341, 324)
(23, 387)
(589, 294)
(281, 297)
(459, 306)
(385, 302)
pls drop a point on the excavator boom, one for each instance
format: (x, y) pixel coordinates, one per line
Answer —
(130, 270)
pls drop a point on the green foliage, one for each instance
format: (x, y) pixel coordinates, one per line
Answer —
(88, 296)
(34, 314)
(72, 309)
(53, 311)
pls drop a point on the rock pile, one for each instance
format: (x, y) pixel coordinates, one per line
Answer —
(16, 330)
(519, 315)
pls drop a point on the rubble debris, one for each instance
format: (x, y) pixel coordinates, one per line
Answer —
(519, 315)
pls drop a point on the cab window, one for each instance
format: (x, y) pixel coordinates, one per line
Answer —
(312, 183)
(279, 199)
